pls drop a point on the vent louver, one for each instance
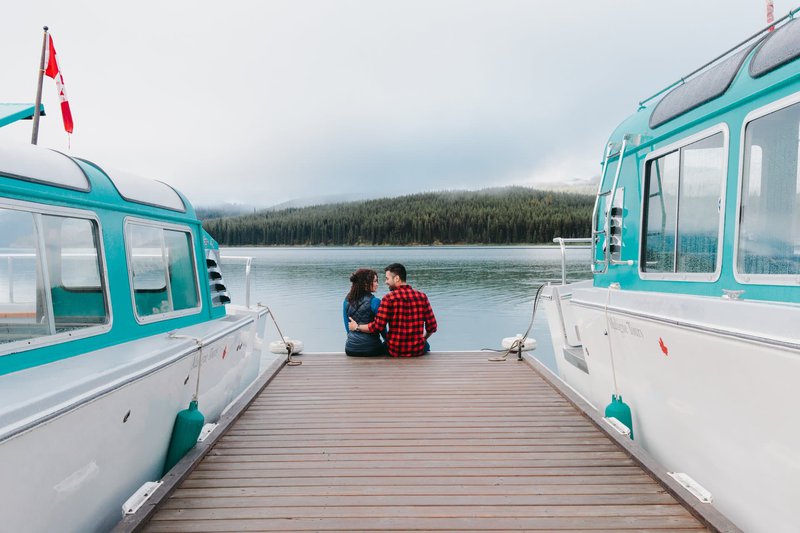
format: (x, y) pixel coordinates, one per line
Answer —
(219, 292)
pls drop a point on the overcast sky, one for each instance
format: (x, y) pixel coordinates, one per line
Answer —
(265, 101)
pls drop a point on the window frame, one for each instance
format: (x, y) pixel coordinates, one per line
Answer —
(158, 317)
(35, 209)
(702, 277)
(79, 288)
(790, 280)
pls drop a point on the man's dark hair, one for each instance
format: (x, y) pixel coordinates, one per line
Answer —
(398, 270)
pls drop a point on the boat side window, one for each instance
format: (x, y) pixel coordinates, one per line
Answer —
(661, 204)
(79, 265)
(76, 286)
(682, 208)
(163, 271)
(180, 263)
(769, 217)
(40, 255)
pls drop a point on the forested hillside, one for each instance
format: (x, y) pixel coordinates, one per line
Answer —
(511, 215)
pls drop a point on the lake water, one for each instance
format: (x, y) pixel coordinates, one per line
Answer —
(479, 294)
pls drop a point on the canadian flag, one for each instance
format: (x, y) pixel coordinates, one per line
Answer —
(52, 70)
(770, 14)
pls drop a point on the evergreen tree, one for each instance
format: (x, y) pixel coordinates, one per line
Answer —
(510, 215)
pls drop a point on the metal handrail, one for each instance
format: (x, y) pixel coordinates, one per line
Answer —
(595, 231)
(562, 244)
(247, 267)
(607, 256)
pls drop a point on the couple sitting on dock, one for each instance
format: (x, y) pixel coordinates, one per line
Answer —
(406, 312)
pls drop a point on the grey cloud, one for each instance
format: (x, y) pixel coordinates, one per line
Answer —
(272, 100)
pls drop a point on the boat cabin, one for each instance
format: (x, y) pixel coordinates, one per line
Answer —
(704, 185)
(91, 258)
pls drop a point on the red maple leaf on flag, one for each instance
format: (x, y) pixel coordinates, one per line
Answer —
(52, 70)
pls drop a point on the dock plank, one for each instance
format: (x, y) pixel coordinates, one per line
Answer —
(423, 481)
(397, 489)
(452, 523)
(447, 442)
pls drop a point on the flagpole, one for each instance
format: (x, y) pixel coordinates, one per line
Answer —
(35, 134)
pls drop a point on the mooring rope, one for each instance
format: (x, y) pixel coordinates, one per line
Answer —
(289, 345)
(518, 344)
(199, 342)
(608, 336)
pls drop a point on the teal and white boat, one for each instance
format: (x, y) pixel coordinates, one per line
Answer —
(112, 315)
(692, 313)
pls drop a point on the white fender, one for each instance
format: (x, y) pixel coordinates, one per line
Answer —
(280, 346)
(528, 344)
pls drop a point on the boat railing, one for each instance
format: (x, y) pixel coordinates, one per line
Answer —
(574, 244)
(248, 263)
(757, 35)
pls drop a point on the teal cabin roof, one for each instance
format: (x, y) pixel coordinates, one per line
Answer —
(13, 112)
(35, 173)
(761, 64)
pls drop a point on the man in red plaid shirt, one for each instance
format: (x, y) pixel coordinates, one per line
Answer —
(408, 313)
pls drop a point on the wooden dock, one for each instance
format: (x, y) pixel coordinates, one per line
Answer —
(447, 442)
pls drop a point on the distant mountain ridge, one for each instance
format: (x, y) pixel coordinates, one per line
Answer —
(308, 201)
(502, 215)
(204, 212)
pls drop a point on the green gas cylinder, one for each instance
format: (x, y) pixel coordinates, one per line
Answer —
(188, 424)
(620, 410)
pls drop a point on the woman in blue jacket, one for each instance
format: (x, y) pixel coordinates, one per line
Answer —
(362, 306)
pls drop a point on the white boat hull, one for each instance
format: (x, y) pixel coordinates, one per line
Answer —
(71, 466)
(697, 373)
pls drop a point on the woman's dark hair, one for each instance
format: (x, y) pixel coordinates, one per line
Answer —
(361, 281)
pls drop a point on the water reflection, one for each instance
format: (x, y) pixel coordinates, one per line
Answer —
(479, 294)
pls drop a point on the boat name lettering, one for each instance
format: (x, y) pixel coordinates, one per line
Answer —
(625, 327)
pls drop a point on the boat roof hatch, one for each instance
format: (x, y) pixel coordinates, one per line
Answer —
(13, 112)
(779, 48)
(703, 88)
(33, 163)
(143, 190)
